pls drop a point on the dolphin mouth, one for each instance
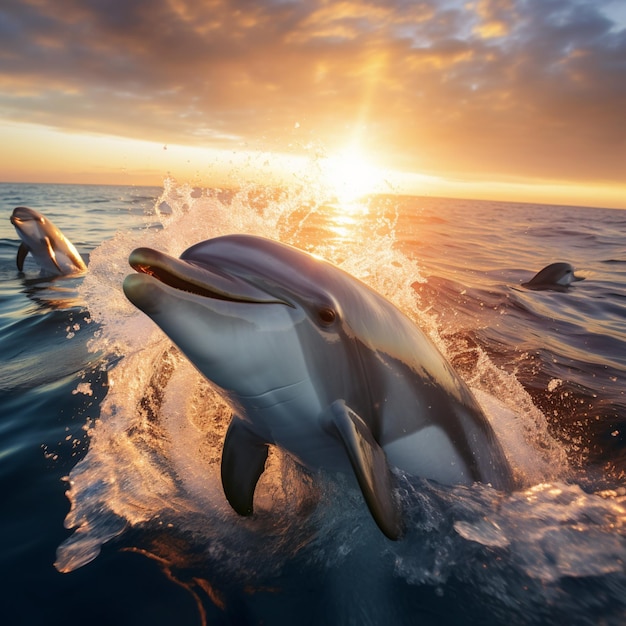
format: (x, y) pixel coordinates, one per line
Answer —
(197, 279)
(18, 221)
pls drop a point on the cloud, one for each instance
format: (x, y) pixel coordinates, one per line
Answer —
(496, 88)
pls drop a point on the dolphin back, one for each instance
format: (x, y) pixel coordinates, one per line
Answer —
(428, 421)
(556, 276)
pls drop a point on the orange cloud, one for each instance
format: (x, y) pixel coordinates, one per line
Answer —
(492, 89)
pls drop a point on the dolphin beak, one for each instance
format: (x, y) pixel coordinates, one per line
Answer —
(576, 277)
(199, 280)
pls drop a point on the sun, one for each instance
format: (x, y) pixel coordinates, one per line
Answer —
(349, 175)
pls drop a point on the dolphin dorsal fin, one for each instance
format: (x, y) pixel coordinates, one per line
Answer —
(22, 251)
(243, 461)
(370, 466)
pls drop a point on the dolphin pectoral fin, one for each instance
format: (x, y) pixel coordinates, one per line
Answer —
(52, 254)
(243, 462)
(22, 251)
(370, 466)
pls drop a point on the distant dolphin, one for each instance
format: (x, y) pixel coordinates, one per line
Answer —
(317, 363)
(556, 276)
(52, 250)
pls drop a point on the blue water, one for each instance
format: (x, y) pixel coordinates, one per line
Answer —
(112, 511)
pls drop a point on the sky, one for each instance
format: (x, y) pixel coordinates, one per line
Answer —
(504, 99)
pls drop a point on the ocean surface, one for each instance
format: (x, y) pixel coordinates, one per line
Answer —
(112, 511)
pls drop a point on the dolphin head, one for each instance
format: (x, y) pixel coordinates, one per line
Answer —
(253, 315)
(28, 223)
(256, 317)
(557, 276)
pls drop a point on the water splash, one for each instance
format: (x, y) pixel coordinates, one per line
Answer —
(154, 455)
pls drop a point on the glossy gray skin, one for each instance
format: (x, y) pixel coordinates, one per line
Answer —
(53, 251)
(314, 361)
(556, 277)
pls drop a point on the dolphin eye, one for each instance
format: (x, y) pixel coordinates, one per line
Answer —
(326, 315)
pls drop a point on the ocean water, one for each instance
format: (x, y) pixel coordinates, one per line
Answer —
(112, 508)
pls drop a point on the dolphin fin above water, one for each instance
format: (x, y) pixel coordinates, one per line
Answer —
(244, 455)
(22, 251)
(243, 461)
(370, 467)
(52, 254)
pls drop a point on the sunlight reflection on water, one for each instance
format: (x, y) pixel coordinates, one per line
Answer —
(345, 217)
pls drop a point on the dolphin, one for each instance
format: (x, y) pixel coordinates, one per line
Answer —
(317, 363)
(52, 250)
(556, 276)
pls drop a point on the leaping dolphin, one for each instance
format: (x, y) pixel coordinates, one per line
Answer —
(556, 276)
(315, 362)
(52, 250)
